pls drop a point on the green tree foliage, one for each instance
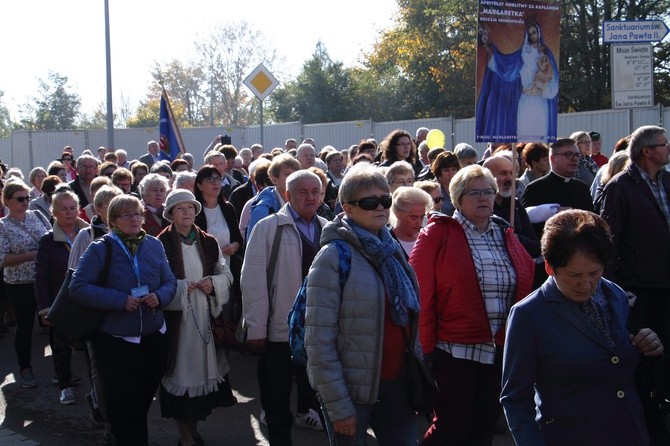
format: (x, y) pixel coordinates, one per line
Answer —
(98, 120)
(585, 65)
(429, 55)
(55, 108)
(5, 120)
(209, 90)
(322, 92)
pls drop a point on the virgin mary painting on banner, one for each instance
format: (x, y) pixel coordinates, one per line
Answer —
(517, 73)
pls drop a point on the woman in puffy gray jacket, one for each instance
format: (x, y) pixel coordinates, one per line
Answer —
(354, 335)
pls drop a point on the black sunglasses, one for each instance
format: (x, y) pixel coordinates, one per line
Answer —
(22, 199)
(371, 203)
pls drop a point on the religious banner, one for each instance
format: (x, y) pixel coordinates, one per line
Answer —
(517, 71)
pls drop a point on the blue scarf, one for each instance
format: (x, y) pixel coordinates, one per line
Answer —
(386, 253)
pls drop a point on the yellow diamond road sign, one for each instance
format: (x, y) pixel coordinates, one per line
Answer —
(261, 82)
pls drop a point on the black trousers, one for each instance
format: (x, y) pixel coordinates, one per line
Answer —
(130, 374)
(61, 350)
(652, 310)
(25, 309)
(275, 378)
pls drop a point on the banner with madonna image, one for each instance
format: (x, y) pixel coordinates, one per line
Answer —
(517, 71)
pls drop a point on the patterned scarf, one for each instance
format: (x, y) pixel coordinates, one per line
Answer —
(132, 242)
(386, 253)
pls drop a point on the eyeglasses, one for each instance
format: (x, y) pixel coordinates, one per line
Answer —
(438, 200)
(22, 199)
(128, 217)
(372, 203)
(476, 193)
(212, 180)
(568, 155)
(667, 144)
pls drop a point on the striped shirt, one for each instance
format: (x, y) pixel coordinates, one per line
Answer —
(658, 190)
(497, 280)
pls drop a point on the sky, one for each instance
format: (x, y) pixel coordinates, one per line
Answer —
(68, 37)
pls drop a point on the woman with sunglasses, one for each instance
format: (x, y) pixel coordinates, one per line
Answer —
(355, 333)
(20, 232)
(68, 160)
(471, 269)
(130, 346)
(218, 218)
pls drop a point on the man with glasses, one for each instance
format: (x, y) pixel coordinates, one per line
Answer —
(635, 205)
(557, 187)
(87, 169)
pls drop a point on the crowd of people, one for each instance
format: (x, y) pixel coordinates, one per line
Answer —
(536, 277)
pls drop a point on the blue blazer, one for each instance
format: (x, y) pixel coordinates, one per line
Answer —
(563, 384)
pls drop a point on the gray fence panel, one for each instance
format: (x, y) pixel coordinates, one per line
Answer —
(340, 135)
(27, 149)
(647, 116)
(382, 129)
(6, 151)
(44, 147)
(274, 135)
(464, 131)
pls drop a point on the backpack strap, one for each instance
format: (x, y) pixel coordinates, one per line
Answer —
(273, 254)
(108, 261)
(344, 255)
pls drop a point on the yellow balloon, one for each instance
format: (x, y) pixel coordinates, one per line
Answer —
(435, 138)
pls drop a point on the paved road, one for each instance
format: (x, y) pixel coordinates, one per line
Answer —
(34, 416)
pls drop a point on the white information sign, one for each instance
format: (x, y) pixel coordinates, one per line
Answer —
(632, 76)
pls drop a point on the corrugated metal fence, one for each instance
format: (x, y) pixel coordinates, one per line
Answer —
(26, 149)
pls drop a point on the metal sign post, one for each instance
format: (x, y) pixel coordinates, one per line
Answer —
(261, 83)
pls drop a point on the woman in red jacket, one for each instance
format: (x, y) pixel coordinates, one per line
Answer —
(471, 269)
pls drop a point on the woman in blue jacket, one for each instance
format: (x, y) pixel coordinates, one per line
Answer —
(130, 346)
(569, 362)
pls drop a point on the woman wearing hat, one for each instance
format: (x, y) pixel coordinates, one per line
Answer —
(196, 378)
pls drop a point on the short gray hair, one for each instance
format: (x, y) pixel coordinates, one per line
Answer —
(211, 154)
(304, 146)
(398, 168)
(151, 179)
(464, 151)
(184, 177)
(406, 197)
(105, 193)
(300, 175)
(84, 157)
(362, 176)
(465, 177)
(644, 136)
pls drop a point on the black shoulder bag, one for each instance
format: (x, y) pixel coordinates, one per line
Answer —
(420, 384)
(71, 317)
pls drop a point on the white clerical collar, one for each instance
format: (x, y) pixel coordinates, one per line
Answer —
(565, 179)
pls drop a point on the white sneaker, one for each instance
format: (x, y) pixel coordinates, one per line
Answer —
(262, 418)
(309, 420)
(67, 396)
